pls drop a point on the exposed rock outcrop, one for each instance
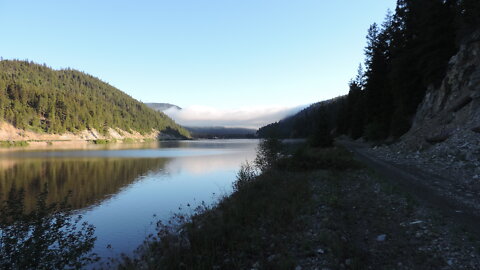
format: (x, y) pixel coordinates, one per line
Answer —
(454, 108)
(445, 136)
(10, 133)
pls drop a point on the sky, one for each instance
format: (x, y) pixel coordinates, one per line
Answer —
(233, 59)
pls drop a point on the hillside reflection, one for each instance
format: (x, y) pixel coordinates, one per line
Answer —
(91, 180)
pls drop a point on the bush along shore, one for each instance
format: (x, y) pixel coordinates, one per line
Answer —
(8, 144)
(308, 208)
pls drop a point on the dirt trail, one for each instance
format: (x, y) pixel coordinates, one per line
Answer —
(426, 187)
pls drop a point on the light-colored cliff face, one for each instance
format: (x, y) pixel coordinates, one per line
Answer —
(9, 133)
(453, 110)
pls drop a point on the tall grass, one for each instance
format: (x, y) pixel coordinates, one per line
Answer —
(251, 225)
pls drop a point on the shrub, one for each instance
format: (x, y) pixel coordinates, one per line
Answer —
(245, 175)
(101, 141)
(333, 158)
(129, 140)
(13, 143)
(268, 152)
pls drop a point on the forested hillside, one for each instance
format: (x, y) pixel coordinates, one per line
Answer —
(405, 56)
(321, 115)
(38, 98)
(221, 132)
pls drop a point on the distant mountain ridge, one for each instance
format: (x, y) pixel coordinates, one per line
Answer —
(207, 132)
(221, 132)
(38, 98)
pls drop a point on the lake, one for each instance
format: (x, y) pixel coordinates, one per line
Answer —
(121, 188)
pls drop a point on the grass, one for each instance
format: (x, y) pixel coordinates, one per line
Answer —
(260, 220)
(242, 228)
(6, 144)
(306, 159)
(306, 199)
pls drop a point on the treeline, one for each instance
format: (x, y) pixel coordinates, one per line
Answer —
(404, 56)
(41, 99)
(221, 132)
(320, 115)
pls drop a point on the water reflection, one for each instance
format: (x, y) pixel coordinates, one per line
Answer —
(119, 189)
(90, 179)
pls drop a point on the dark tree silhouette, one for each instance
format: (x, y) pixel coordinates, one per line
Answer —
(49, 237)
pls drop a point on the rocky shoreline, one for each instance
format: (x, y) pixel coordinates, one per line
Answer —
(455, 163)
(68, 140)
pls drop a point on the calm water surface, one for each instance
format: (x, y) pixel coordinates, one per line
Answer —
(120, 190)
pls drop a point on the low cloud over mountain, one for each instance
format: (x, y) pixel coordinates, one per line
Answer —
(253, 117)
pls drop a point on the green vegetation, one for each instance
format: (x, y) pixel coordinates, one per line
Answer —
(104, 141)
(13, 143)
(129, 140)
(41, 99)
(404, 56)
(262, 217)
(48, 237)
(309, 207)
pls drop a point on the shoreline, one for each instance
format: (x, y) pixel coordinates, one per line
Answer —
(73, 144)
(12, 138)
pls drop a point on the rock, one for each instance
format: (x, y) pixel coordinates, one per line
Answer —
(462, 102)
(416, 222)
(438, 138)
(298, 267)
(320, 251)
(381, 237)
(348, 262)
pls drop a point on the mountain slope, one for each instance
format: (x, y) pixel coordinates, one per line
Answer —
(207, 131)
(304, 123)
(408, 58)
(221, 132)
(38, 98)
(161, 106)
(453, 109)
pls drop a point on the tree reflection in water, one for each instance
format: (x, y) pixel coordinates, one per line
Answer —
(90, 180)
(48, 236)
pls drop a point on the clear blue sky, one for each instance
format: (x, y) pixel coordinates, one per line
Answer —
(223, 54)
